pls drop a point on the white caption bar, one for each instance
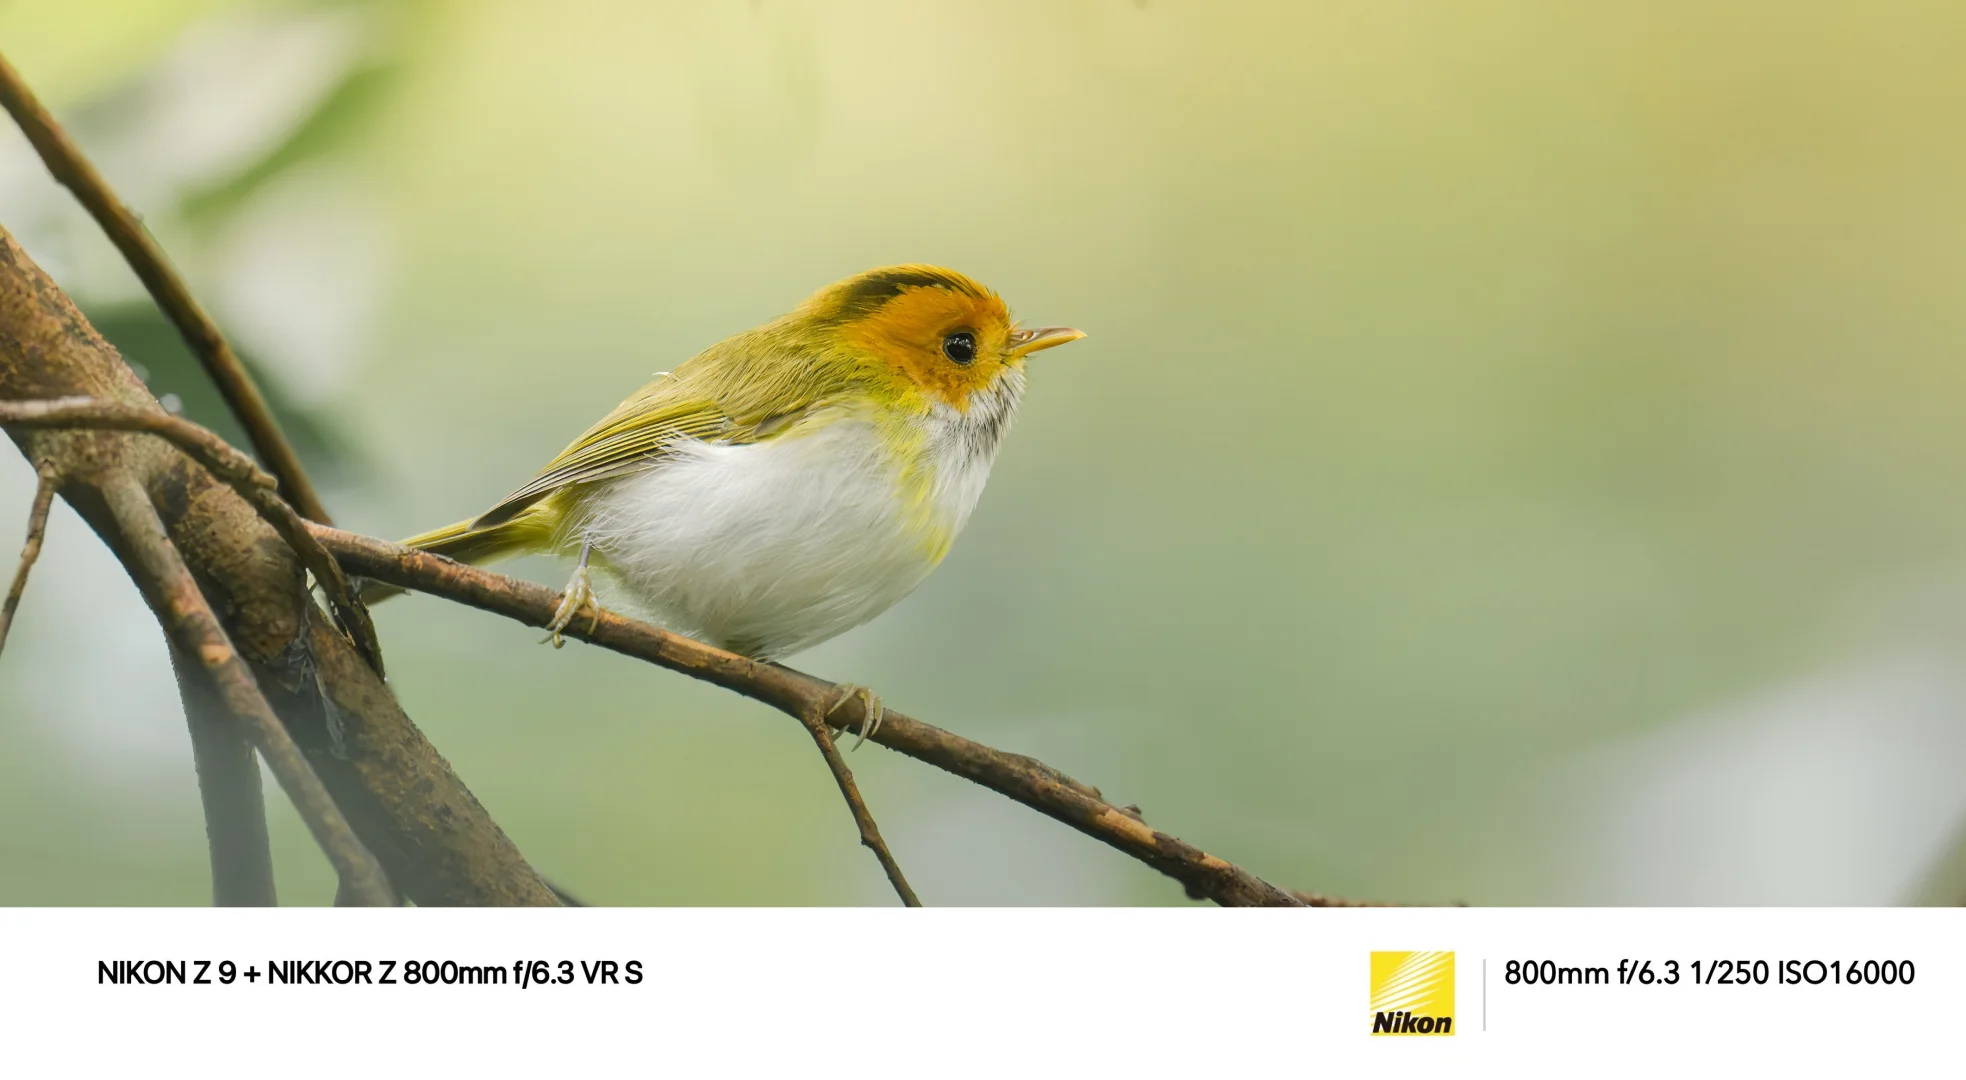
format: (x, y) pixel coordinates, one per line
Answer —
(982, 992)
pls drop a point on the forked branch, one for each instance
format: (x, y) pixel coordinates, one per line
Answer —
(195, 631)
(236, 470)
(870, 833)
(411, 810)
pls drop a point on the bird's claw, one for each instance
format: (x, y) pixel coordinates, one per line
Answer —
(579, 596)
(871, 717)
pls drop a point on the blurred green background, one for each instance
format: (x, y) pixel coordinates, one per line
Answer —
(1515, 459)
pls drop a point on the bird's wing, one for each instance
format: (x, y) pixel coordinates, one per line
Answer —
(631, 438)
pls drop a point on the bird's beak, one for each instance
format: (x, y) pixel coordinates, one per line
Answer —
(1026, 342)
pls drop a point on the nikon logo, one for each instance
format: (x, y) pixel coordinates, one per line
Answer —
(1412, 993)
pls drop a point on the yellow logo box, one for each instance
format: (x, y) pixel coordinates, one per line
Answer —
(1412, 993)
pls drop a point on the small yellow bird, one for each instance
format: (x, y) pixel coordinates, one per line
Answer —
(789, 483)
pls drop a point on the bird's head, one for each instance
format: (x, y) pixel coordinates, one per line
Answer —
(934, 331)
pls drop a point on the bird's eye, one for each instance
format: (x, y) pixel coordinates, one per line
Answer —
(960, 346)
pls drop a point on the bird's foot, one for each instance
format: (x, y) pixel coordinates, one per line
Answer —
(871, 716)
(578, 597)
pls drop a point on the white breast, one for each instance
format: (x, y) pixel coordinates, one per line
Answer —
(769, 548)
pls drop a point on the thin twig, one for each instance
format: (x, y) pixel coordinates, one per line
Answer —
(37, 529)
(229, 465)
(870, 833)
(194, 629)
(1024, 779)
(154, 269)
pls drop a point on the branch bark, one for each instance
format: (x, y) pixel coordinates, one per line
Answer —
(229, 791)
(228, 464)
(436, 842)
(193, 630)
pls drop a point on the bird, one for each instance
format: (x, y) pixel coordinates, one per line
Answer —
(788, 483)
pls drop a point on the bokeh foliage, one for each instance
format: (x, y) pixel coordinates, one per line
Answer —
(1513, 460)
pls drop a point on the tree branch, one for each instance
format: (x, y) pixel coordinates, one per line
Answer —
(195, 631)
(229, 465)
(200, 333)
(435, 840)
(37, 528)
(229, 791)
(870, 833)
(1024, 779)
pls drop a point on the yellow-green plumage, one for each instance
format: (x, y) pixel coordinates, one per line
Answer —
(792, 480)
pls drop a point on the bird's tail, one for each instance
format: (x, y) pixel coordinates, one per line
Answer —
(469, 542)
